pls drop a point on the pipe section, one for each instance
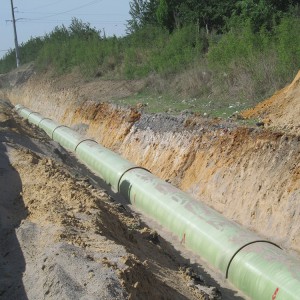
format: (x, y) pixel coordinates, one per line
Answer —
(259, 268)
(105, 163)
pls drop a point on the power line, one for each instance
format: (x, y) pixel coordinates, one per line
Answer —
(50, 4)
(67, 11)
(57, 14)
(83, 14)
(27, 20)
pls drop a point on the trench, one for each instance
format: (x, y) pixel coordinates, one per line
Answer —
(248, 174)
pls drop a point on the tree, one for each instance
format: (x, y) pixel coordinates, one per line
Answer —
(162, 13)
(153, 12)
(82, 30)
(167, 14)
(263, 13)
(142, 12)
(209, 14)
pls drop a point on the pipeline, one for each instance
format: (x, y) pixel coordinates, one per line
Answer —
(257, 267)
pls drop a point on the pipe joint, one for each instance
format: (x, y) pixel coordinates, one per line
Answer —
(59, 126)
(244, 246)
(129, 169)
(42, 121)
(32, 113)
(85, 140)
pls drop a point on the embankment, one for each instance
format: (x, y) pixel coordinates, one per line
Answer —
(251, 175)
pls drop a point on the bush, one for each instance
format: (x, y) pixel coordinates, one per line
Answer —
(263, 60)
(159, 52)
(28, 52)
(67, 48)
(288, 47)
(8, 62)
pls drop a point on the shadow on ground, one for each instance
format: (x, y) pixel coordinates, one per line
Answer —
(12, 212)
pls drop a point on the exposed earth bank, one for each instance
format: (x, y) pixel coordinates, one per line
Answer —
(250, 174)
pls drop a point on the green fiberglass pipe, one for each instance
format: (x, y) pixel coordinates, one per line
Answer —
(257, 267)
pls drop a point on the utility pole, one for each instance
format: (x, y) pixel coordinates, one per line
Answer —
(15, 33)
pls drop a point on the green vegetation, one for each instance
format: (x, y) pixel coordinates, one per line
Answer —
(28, 53)
(216, 56)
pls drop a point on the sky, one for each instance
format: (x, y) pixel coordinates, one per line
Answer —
(36, 18)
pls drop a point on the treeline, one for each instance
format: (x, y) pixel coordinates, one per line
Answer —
(242, 49)
(213, 15)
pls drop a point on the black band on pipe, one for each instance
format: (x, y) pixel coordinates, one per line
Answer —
(132, 168)
(33, 112)
(57, 128)
(85, 140)
(43, 120)
(236, 252)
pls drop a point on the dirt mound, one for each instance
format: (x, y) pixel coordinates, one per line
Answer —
(282, 110)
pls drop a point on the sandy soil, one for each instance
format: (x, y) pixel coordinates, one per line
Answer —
(282, 110)
(63, 238)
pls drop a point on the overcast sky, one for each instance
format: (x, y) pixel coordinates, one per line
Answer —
(36, 17)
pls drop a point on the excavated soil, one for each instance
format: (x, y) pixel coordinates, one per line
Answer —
(249, 174)
(282, 110)
(63, 238)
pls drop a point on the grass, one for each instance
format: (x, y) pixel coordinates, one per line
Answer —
(154, 103)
